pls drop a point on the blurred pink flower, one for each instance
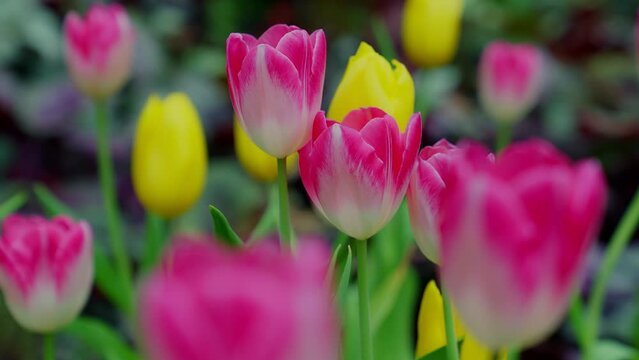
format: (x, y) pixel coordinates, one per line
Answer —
(426, 185)
(99, 49)
(515, 233)
(356, 172)
(46, 270)
(208, 303)
(276, 84)
(510, 80)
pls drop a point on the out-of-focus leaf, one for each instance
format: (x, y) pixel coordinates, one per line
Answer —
(612, 350)
(268, 222)
(383, 38)
(50, 203)
(108, 280)
(385, 295)
(101, 338)
(12, 204)
(393, 339)
(222, 228)
(390, 245)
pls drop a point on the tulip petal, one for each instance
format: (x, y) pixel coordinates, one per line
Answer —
(295, 46)
(274, 34)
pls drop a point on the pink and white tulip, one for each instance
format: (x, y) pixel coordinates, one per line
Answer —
(515, 233)
(276, 84)
(46, 270)
(99, 49)
(424, 195)
(210, 303)
(356, 172)
(510, 80)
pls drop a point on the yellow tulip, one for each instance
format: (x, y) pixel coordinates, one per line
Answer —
(431, 329)
(260, 165)
(370, 80)
(169, 161)
(430, 30)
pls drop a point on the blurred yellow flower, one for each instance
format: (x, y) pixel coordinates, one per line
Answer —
(169, 161)
(431, 330)
(370, 80)
(260, 165)
(430, 30)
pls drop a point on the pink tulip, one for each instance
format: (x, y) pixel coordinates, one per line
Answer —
(276, 83)
(356, 172)
(99, 49)
(46, 270)
(209, 303)
(515, 233)
(424, 194)
(510, 80)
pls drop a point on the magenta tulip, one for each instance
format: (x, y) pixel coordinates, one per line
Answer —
(515, 233)
(99, 49)
(46, 270)
(510, 80)
(276, 83)
(356, 172)
(209, 303)
(424, 194)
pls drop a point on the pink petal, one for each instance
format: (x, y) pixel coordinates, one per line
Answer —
(296, 47)
(273, 34)
(358, 118)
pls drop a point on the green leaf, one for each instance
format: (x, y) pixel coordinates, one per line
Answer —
(12, 204)
(384, 297)
(222, 228)
(108, 280)
(268, 222)
(383, 39)
(612, 350)
(439, 354)
(50, 203)
(341, 264)
(101, 338)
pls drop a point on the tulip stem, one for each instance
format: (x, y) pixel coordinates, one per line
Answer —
(618, 243)
(286, 238)
(155, 236)
(452, 353)
(48, 347)
(364, 311)
(504, 136)
(107, 183)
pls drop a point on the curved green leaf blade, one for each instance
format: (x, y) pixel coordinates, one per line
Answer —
(222, 228)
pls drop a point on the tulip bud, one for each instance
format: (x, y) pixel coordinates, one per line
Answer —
(356, 172)
(430, 30)
(209, 303)
(371, 81)
(99, 49)
(169, 161)
(510, 80)
(260, 165)
(46, 270)
(514, 238)
(276, 83)
(431, 330)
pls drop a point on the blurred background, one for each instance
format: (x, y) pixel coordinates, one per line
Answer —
(590, 107)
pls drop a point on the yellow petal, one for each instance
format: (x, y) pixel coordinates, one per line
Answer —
(430, 30)
(370, 80)
(431, 330)
(260, 165)
(169, 160)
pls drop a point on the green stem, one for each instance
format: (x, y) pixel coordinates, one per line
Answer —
(618, 243)
(286, 237)
(452, 353)
(154, 240)
(504, 135)
(268, 221)
(364, 311)
(576, 317)
(513, 354)
(48, 347)
(107, 183)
